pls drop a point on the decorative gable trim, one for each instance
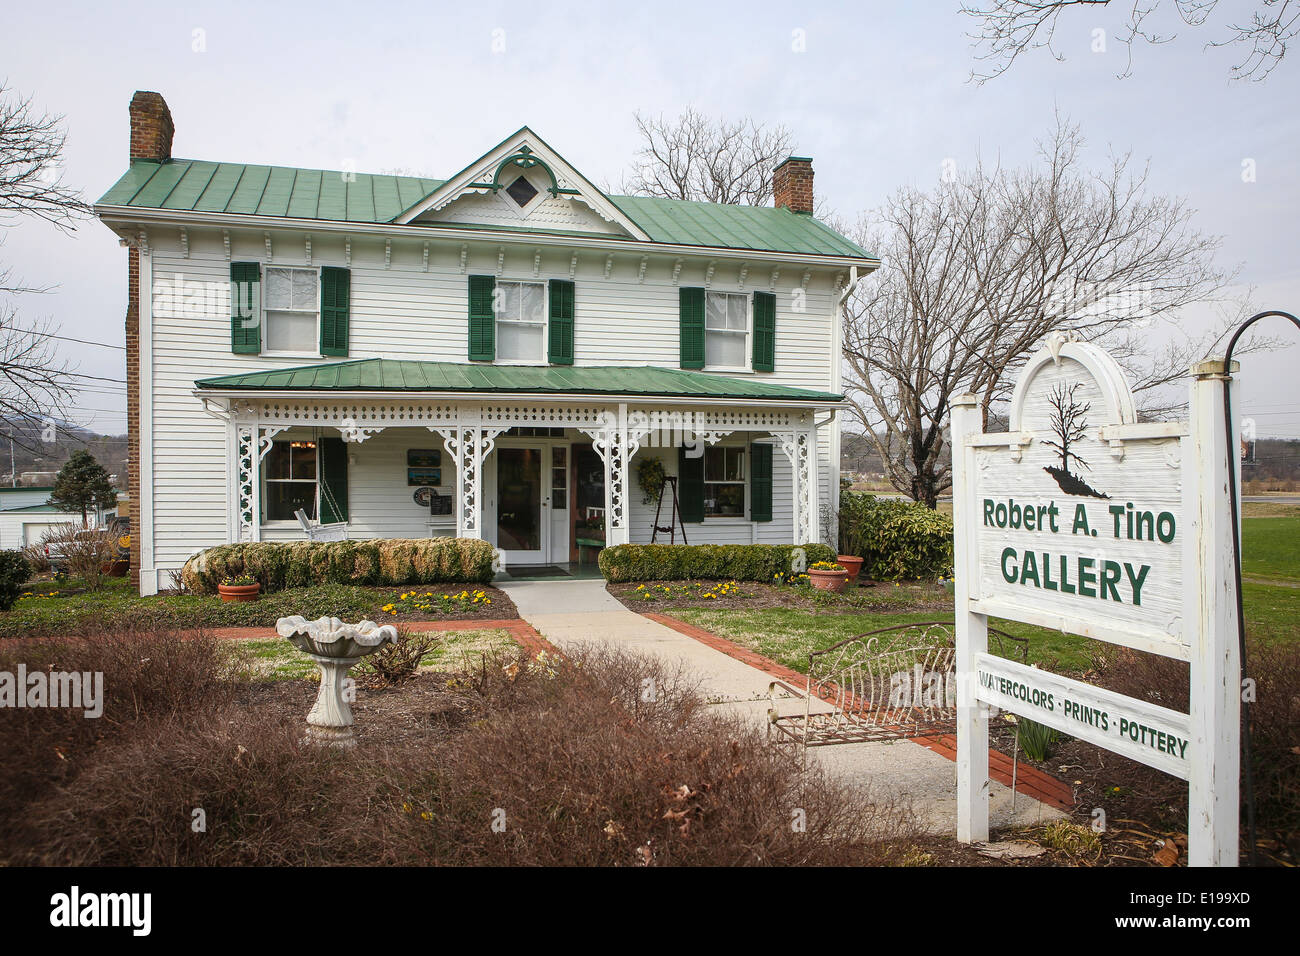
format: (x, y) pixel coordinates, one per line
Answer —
(522, 151)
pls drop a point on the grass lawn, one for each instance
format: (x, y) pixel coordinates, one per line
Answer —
(277, 659)
(1270, 547)
(52, 607)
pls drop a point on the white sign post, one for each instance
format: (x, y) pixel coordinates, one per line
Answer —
(1081, 519)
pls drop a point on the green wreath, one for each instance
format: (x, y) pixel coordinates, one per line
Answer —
(650, 476)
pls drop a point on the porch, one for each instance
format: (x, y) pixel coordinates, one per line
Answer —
(546, 478)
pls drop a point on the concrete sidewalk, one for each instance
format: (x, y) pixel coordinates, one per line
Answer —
(574, 614)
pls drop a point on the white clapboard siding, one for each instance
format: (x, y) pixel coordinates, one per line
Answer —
(403, 311)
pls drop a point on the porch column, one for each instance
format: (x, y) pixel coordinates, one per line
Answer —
(610, 441)
(469, 446)
(800, 447)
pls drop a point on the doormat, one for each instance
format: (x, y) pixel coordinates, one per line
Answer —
(538, 571)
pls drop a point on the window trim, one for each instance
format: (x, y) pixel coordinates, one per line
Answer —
(743, 481)
(544, 325)
(266, 324)
(748, 333)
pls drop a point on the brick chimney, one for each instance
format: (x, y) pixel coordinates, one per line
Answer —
(151, 127)
(151, 139)
(792, 184)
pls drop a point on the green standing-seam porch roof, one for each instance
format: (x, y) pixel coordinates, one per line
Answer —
(188, 185)
(395, 375)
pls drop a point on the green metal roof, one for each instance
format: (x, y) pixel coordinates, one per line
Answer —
(240, 189)
(393, 375)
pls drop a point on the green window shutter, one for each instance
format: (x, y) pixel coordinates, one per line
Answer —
(760, 482)
(764, 332)
(482, 318)
(560, 345)
(690, 486)
(335, 293)
(692, 328)
(245, 308)
(334, 476)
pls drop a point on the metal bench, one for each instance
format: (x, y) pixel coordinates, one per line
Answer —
(888, 684)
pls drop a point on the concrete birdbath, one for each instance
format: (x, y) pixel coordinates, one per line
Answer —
(335, 646)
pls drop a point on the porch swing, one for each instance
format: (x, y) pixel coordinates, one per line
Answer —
(335, 531)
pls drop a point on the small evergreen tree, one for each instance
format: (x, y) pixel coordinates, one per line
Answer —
(81, 485)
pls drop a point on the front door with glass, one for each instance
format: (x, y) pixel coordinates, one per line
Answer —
(522, 504)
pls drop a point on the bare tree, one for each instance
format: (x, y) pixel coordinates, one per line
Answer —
(977, 271)
(698, 158)
(1009, 28)
(31, 180)
(35, 386)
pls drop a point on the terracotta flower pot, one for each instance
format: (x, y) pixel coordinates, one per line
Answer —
(828, 580)
(851, 564)
(239, 592)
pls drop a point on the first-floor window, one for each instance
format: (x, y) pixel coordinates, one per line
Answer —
(726, 330)
(521, 321)
(724, 482)
(290, 480)
(292, 309)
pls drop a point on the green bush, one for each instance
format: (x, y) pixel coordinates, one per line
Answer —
(896, 539)
(388, 562)
(685, 562)
(14, 572)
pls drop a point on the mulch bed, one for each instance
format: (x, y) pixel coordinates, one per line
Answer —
(420, 708)
(879, 597)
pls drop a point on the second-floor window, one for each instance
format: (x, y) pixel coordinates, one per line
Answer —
(520, 321)
(726, 330)
(291, 303)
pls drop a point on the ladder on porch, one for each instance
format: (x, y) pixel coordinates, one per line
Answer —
(676, 521)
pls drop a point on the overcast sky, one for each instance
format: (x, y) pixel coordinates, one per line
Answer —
(876, 93)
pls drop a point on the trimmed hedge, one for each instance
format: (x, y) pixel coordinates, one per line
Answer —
(382, 561)
(896, 539)
(728, 562)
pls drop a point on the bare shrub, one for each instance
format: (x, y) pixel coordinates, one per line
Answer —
(572, 776)
(398, 660)
(577, 761)
(36, 559)
(147, 676)
(1274, 714)
(89, 554)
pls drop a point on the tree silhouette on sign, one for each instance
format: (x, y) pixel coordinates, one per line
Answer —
(1069, 420)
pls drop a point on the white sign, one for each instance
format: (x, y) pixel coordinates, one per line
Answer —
(1081, 513)
(1081, 519)
(1145, 732)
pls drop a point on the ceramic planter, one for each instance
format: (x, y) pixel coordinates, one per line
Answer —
(828, 580)
(851, 564)
(239, 592)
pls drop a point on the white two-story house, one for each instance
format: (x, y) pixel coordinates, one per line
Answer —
(493, 355)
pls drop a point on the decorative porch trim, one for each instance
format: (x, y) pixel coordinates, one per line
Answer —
(470, 430)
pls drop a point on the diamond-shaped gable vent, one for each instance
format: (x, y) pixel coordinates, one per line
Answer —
(521, 191)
